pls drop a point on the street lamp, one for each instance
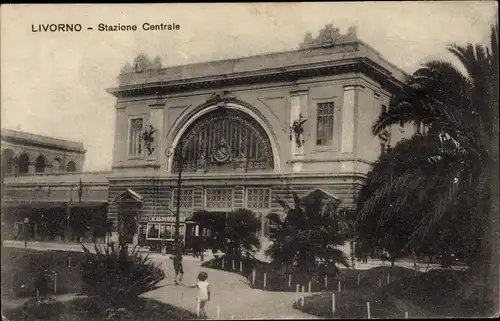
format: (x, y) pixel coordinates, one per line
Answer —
(178, 159)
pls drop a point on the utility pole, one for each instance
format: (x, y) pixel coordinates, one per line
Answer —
(178, 159)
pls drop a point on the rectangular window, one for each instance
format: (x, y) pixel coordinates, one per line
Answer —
(324, 124)
(185, 204)
(219, 198)
(135, 139)
(258, 198)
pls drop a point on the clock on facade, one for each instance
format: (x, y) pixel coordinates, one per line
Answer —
(222, 152)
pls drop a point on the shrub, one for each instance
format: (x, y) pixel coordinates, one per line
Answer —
(40, 308)
(115, 277)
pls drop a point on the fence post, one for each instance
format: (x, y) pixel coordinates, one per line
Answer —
(289, 280)
(309, 286)
(37, 293)
(358, 279)
(265, 279)
(368, 309)
(326, 281)
(253, 276)
(12, 286)
(388, 278)
(218, 311)
(379, 282)
(55, 282)
(233, 265)
(222, 263)
(303, 290)
(339, 288)
(241, 267)
(406, 315)
(69, 262)
(333, 302)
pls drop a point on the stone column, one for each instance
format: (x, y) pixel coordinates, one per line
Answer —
(348, 106)
(31, 168)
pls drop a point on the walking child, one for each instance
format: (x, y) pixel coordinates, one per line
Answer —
(203, 294)
(177, 258)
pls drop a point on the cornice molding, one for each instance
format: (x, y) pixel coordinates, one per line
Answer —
(360, 65)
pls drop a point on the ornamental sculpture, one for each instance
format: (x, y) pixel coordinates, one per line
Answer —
(298, 130)
(148, 138)
(328, 37)
(220, 99)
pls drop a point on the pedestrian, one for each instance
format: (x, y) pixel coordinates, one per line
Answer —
(203, 294)
(177, 258)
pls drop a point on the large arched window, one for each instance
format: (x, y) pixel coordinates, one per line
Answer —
(224, 139)
(24, 162)
(7, 164)
(71, 166)
(40, 164)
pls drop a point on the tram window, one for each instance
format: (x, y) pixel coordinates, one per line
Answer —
(163, 231)
(153, 231)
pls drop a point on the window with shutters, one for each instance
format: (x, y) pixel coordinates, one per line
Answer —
(219, 198)
(186, 197)
(324, 124)
(135, 137)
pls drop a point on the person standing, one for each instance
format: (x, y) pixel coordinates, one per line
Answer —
(177, 258)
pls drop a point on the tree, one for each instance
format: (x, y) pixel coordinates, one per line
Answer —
(445, 174)
(309, 234)
(242, 226)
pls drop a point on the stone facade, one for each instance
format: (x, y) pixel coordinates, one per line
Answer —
(333, 84)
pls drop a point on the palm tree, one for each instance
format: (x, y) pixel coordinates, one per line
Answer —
(308, 235)
(446, 172)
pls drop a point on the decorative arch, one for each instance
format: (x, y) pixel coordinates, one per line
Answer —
(71, 167)
(24, 163)
(40, 164)
(231, 137)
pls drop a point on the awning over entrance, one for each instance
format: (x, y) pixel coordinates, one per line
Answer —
(129, 194)
(319, 193)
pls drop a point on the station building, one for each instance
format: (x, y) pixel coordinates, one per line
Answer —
(243, 133)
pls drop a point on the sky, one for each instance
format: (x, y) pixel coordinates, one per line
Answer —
(54, 83)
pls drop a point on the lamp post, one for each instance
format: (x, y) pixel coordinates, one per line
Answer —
(178, 159)
(69, 210)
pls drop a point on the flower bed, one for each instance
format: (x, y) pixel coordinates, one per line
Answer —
(24, 271)
(432, 294)
(83, 309)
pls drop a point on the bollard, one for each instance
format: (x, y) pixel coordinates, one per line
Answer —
(303, 290)
(253, 276)
(289, 280)
(309, 286)
(326, 281)
(358, 279)
(218, 311)
(233, 265)
(333, 302)
(406, 315)
(368, 309)
(265, 279)
(241, 267)
(339, 288)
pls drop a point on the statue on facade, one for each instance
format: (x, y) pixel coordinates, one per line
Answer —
(298, 130)
(148, 138)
